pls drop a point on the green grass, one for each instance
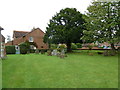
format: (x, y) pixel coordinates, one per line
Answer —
(78, 70)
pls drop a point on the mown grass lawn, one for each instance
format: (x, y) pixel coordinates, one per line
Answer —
(78, 70)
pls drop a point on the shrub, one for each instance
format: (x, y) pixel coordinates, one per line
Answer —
(42, 51)
(109, 53)
(61, 47)
(90, 47)
(10, 49)
(24, 48)
(106, 53)
(53, 46)
(79, 45)
(73, 46)
(100, 52)
(49, 52)
(32, 50)
(37, 51)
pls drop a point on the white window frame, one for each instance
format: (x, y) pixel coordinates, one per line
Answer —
(31, 39)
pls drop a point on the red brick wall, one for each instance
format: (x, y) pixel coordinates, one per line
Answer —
(37, 37)
(17, 41)
(8, 43)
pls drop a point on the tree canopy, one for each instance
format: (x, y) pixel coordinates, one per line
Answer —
(65, 27)
(102, 22)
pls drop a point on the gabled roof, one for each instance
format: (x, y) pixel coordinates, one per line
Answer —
(17, 34)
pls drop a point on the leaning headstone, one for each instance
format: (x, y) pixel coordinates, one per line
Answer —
(49, 53)
(54, 52)
(58, 54)
(37, 51)
(63, 51)
(62, 55)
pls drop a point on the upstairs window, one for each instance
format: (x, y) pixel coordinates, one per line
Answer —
(31, 39)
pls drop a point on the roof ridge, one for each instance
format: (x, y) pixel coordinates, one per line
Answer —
(20, 31)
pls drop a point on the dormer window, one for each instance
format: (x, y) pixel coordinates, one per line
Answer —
(31, 39)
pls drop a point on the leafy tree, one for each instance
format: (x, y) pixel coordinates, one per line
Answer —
(102, 23)
(65, 27)
(8, 38)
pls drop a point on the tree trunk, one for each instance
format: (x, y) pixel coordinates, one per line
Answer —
(112, 46)
(69, 47)
(113, 51)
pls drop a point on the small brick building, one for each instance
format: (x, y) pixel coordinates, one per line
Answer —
(35, 35)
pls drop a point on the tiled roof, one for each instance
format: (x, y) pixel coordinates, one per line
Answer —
(17, 34)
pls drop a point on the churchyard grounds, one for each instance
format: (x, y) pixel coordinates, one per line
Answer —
(77, 70)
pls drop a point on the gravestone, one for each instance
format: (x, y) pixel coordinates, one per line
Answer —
(49, 53)
(62, 54)
(37, 51)
(54, 52)
(58, 54)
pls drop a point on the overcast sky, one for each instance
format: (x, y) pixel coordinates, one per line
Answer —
(23, 15)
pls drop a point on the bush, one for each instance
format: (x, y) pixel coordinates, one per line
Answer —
(53, 46)
(10, 49)
(32, 50)
(109, 53)
(100, 52)
(24, 48)
(49, 52)
(79, 45)
(90, 47)
(73, 46)
(45, 50)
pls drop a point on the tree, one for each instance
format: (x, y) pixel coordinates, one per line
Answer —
(8, 38)
(102, 23)
(65, 27)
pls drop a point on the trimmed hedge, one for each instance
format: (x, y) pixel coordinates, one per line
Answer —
(10, 49)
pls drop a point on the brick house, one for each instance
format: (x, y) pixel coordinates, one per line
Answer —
(35, 35)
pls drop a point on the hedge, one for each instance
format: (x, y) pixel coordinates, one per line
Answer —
(10, 49)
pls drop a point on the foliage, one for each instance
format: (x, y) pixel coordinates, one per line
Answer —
(24, 48)
(90, 47)
(62, 46)
(109, 53)
(65, 27)
(49, 52)
(73, 46)
(10, 49)
(79, 45)
(8, 38)
(102, 23)
(42, 51)
(53, 46)
(31, 43)
(32, 50)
